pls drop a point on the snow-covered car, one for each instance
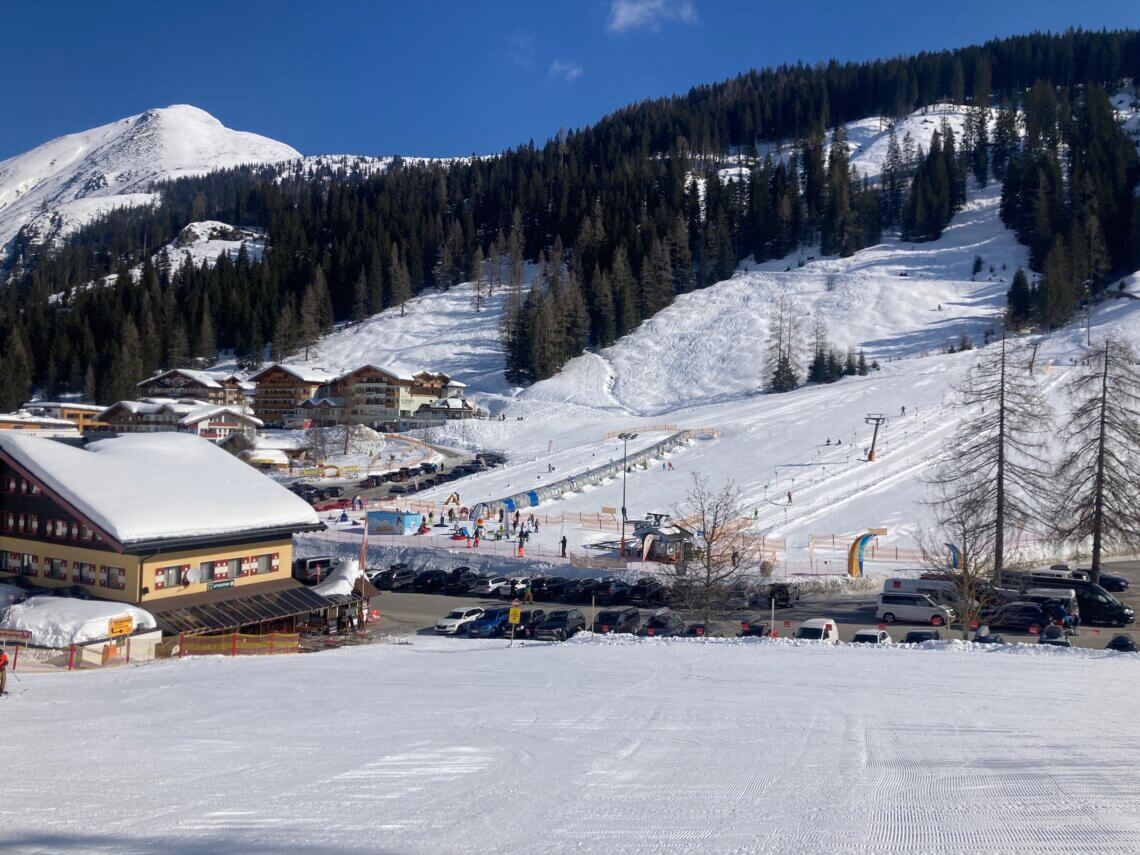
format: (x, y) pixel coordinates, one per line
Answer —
(456, 620)
(819, 629)
(871, 636)
(490, 586)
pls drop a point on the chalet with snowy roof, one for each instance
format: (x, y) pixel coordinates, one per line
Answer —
(83, 416)
(281, 389)
(438, 412)
(194, 385)
(662, 539)
(214, 422)
(28, 423)
(167, 521)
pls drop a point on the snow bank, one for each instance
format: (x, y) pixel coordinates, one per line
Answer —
(341, 580)
(61, 621)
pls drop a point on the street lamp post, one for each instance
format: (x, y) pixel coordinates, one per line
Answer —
(625, 438)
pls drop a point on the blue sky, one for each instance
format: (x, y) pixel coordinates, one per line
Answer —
(443, 77)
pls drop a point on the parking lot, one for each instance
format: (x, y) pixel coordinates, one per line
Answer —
(408, 613)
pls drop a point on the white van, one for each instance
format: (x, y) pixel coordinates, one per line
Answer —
(942, 591)
(819, 629)
(912, 608)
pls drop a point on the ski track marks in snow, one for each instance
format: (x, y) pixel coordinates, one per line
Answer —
(628, 746)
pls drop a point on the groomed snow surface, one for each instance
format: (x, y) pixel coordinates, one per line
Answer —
(623, 746)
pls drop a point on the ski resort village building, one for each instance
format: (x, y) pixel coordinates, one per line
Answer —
(83, 416)
(28, 423)
(165, 521)
(196, 385)
(214, 422)
(381, 397)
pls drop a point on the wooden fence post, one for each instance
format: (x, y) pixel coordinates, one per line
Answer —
(16, 657)
(181, 645)
(233, 644)
(272, 635)
(71, 657)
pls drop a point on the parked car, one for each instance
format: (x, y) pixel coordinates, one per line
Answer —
(1122, 643)
(647, 593)
(912, 608)
(430, 581)
(1115, 584)
(871, 636)
(491, 624)
(1031, 617)
(560, 625)
(754, 629)
(663, 623)
(402, 579)
(613, 593)
(617, 620)
(1055, 637)
(547, 587)
(784, 595)
(459, 584)
(819, 629)
(530, 618)
(456, 621)
(1097, 605)
(489, 586)
(313, 570)
(516, 586)
(398, 490)
(920, 636)
(581, 590)
(700, 629)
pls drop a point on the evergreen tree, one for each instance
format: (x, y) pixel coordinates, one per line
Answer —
(399, 280)
(360, 298)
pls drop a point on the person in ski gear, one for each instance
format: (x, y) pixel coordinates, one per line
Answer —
(563, 542)
(789, 497)
(3, 670)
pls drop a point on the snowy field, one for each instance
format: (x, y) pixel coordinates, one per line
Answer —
(650, 746)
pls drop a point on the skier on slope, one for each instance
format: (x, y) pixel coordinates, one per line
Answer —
(3, 671)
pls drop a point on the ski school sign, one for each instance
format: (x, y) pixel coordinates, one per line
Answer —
(23, 635)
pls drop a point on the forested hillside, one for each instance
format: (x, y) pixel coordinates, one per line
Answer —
(622, 217)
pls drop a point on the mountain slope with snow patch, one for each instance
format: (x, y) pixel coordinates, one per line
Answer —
(56, 187)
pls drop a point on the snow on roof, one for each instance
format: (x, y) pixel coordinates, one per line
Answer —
(189, 412)
(30, 418)
(305, 373)
(272, 456)
(389, 368)
(202, 378)
(61, 621)
(449, 404)
(63, 405)
(160, 486)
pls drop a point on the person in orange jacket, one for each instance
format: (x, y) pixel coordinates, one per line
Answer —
(3, 670)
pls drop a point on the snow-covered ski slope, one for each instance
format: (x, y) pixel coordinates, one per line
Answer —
(624, 746)
(58, 186)
(699, 363)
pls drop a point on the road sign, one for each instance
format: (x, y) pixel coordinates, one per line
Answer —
(516, 603)
(514, 616)
(121, 625)
(15, 635)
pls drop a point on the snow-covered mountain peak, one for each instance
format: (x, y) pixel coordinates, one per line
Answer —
(65, 182)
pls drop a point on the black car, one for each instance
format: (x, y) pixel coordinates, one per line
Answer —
(582, 591)
(560, 625)
(662, 623)
(402, 579)
(1097, 606)
(1031, 617)
(613, 593)
(1122, 643)
(459, 584)
(648, 593)
(430, 581)
(918, 636)
(548, 587)
(783, 595)
(529, 619)
(1115, 584)
(617, 620)
(399, 489)
(700, 629)
(753, 629)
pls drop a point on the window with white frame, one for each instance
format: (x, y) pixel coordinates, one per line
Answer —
(84, 573)
(56, 568)
(116, 577)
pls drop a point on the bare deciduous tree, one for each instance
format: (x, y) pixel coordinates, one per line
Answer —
(996, 459)
(960, 549)
(723, 550)
(1099, 474)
